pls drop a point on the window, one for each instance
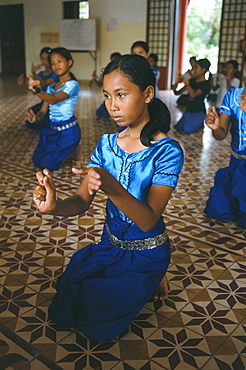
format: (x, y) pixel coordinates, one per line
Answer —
(83, 9)
(76, 9)
(158, 29)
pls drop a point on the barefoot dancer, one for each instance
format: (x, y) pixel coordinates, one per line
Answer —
(105, 285)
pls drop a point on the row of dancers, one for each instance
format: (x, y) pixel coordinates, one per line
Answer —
(106, 284)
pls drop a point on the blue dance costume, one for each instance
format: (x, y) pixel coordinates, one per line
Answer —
(227, 199)
(36, 108)
(63, 136)
(105, 285)
(192, 120)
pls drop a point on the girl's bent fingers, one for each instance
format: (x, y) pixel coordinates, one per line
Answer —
(91, 171)
(40, 177)
(30, 78)
(81, 171)
(39, 192)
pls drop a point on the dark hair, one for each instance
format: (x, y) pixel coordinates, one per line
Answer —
(63, 52)
(204, 63)
(115, 55)
(192, 58)
(45, 50)
(139, 72)
(233, 62)
(142, 44)
(154, 57)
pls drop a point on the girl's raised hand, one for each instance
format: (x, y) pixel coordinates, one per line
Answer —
(44, 194)
(212, 119)
(32, 83)
(94, 178)
(36, 68)
(31, 116)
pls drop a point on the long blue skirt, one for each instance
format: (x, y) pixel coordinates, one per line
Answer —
(104, 287)
(55, 146)
(227, 198)
(190, 122)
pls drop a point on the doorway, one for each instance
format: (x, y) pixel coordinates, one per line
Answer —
(12, 39)
(203, 32)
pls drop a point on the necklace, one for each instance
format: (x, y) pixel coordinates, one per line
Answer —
(61, 84)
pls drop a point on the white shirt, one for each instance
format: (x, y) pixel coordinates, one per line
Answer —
(235, 82)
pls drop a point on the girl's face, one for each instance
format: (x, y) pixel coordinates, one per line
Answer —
(140, 51)
(59, 64)
(44, 60)
(192, 63)
(126, 104)
(230, 70)
(151, 62)
(198, 70)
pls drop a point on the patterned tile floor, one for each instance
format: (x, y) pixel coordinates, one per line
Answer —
(202, 324)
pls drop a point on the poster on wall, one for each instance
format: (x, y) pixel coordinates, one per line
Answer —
(78, 34)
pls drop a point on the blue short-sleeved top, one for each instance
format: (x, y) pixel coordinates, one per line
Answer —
(230, 106)
(159, 164)
(64, 110)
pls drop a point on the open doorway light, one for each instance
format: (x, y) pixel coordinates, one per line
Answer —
(203, 32)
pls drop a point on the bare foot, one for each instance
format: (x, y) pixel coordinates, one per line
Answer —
(162, 290)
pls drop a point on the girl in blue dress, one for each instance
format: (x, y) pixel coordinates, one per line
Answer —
(62, 137)
(46, 77)
(227, 198)
(105, 285)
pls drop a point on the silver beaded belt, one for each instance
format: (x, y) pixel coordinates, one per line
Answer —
(148, 243)
(238, 156)
(68, 125)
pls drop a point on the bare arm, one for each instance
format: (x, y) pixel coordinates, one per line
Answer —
(180, 91)
(45, 83)
(44, 197)
(219, 125)
(35, 76)
(144, 215)
(192, 93)
(48, 98)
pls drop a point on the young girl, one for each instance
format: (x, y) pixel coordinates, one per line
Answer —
(197, 87)
(63, 136)
(227, 199)
(182, 100)
(142, 48)
(45, 77)
(105, 285)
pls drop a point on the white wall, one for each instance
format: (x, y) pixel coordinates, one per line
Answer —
(128, 17)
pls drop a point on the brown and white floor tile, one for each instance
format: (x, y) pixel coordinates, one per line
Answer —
(77, 352)
(176, 347)
(201, 325)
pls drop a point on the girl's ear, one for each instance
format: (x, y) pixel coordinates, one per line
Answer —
(149, 94)
(70, 62)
